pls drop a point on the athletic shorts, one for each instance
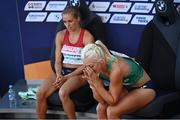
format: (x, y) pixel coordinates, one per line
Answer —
(66, 71)
(150, 84)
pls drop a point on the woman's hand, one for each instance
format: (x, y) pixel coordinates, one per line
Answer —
(96, 95)
(60, 79)
(94, 81)
(92, 77)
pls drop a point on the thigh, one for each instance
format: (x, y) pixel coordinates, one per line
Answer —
(133, 100)
(73, 84)
(46, 87)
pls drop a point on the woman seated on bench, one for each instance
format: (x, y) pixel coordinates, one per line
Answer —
(130, 87)
(69, 42)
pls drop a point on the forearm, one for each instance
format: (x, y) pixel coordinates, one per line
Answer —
(58, 68)
(97, 96)
(105, 95)
(78, 71)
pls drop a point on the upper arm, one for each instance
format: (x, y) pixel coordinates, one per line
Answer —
(88, 38)
(58, 44)
(116, 83)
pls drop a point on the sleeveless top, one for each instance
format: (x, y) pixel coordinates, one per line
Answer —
(135, 71)
(72, 52)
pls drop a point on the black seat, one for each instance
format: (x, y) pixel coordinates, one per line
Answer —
(159, 55)
(93, 23)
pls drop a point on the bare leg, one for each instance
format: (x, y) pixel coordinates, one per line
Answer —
(102, 108)
(45, 90)
(101, 111)
(66, 89)
(133, 101)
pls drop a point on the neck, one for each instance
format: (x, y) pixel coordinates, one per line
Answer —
(75, 31)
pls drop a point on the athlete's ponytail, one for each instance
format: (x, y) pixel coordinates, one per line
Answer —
(96, 51)
(104, 48)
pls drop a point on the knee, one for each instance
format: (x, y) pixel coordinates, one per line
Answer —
(40, 95)
(111, 113)
(63, 94)
(100, 108)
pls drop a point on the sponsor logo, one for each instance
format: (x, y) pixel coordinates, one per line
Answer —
(34, 5)
(120, 7)
(118, 0)
(141, 19)
(54, 17)
(176, 1)
(56, 5)
(104, 16)
(99, 6)
(75, 3)
(120, 18)
(139, 0)
(178, 8)
(153, 11)
(36, 16)
(161, 6)
(142, 7)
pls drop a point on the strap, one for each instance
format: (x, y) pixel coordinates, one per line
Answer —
(81, 35)
(66, 37)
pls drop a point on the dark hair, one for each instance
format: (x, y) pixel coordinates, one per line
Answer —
(74, 11)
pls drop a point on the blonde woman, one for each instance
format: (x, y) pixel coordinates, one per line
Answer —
(130, 87)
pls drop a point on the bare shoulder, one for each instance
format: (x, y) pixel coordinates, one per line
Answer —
(88, 37)
(116, 74)
(60, 33)
(60, 36)
(120, 68)
(87, 32)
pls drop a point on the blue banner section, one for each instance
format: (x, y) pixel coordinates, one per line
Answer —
(124, 21)
(11, 60)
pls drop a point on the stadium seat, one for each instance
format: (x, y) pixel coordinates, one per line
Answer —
(159, 54)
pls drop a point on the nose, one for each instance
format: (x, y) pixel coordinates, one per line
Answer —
(68, 25)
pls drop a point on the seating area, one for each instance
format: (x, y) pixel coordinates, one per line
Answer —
(158, 52)
(155, 54)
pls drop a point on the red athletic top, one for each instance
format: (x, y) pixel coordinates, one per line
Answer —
(79, 43)
(72, 52)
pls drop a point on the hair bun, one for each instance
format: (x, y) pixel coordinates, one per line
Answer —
(98, 42)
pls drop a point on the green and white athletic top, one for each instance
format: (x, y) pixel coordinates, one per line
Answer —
(135, 71)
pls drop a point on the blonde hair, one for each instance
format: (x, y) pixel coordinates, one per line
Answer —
(96, 51)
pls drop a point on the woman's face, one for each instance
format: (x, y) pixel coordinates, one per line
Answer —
(95, 65)
(70, 22)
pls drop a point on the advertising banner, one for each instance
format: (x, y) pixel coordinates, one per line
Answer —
(123, 20)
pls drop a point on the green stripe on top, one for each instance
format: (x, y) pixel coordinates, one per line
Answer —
(135, 71)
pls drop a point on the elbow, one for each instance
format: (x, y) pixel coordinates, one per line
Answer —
(112, 102)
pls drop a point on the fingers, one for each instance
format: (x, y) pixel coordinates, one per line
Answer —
(88, 71)
(87, 75)
(59, 81)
